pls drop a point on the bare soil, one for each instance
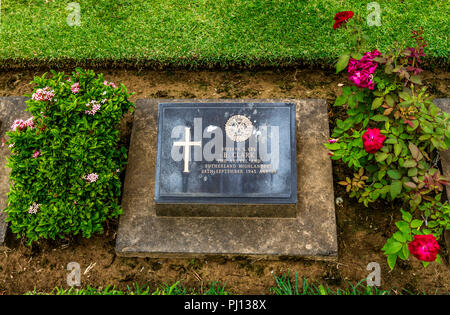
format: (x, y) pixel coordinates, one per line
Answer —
(361, 231)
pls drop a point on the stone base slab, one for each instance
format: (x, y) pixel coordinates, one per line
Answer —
(311, 233)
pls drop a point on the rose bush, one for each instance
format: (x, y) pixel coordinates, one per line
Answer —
(66, 160)
(391, 138)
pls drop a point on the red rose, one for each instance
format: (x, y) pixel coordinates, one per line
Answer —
(424, 247)
(342, 17)
(373, 140)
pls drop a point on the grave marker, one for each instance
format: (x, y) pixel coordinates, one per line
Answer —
(171, 210)
(226, 159)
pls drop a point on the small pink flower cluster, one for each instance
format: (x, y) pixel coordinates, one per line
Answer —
(22, 125)
(75, 88)
(95, 107)
(91, 177)
(34, 208)
(45, 94)
(110, 84)
(361, 71)
(36, 153)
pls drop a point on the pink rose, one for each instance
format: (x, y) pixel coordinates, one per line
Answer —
(360, 72)
(373, 140)
(424, 247)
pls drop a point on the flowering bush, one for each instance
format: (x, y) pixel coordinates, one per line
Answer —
(65, 160)
(391, 138)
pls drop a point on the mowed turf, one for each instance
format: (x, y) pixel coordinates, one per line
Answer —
(207, 32)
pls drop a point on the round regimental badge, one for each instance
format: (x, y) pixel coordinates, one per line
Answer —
(238, 128)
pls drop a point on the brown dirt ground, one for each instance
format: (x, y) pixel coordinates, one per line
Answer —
(361, 231)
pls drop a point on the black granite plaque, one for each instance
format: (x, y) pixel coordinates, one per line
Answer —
(226, 153)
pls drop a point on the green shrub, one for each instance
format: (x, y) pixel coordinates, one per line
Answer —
(65, 160)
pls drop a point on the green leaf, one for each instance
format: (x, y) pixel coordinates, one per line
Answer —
(415, 79)
(380, 156)
(399, 237)
(347, 91)
(377, 102)
(404, 95)
(379, 118)
(405, 251)
(352, 101)
(394, 174)
(393, 248)
(340, 100)
(410, 163)
(389, 159)
(424, 137)
(391, 140)
(436, 142)
(395, 188)
(333, 146)
(397, 149)
(342, 62)
(412, 172)
(406, 216)
(389, 100)
(391, 259)
(403, 226)
(416, 223)
(340, 124)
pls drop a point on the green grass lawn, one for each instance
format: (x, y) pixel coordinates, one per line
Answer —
(206, 32)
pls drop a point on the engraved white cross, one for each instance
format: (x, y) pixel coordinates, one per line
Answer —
(187, 147)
